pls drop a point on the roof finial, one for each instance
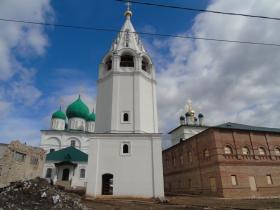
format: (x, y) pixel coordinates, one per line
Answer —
(128, 12)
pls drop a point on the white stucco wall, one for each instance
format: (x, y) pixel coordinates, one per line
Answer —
(74, 174)
(138, 174)
(185, 132)
(61, 139)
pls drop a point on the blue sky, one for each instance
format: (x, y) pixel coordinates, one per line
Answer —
(42, 67)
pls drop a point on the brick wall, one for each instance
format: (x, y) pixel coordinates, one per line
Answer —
(212, 167)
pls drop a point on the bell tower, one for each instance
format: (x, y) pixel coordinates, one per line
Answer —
(126, 92)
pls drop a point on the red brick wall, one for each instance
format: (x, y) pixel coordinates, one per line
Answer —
(221, 166)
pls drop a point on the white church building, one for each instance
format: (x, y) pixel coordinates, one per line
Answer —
(122, 141)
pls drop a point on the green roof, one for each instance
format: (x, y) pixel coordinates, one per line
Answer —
(91, 117)
(77, 109)
(237, 126)
(59, 114)
(70, 154)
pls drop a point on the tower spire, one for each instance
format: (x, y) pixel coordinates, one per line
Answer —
(128, 12)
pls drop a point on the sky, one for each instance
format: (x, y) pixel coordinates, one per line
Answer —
(43, 67)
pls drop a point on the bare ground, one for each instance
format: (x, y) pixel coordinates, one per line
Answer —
(185, 202)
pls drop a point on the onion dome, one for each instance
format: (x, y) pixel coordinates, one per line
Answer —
(91, 117)
(59, 115)
(182, 118)
(200, 115)
(188, 114)
(77, 109)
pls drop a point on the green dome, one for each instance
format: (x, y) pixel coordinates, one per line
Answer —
(59, 115)
(91, 117)
(77, 109)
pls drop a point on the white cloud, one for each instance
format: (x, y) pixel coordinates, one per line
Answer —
(227, 82)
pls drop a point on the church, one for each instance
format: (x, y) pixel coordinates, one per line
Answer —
(117, 150)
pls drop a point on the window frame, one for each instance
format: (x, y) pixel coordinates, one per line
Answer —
(129, 117)
(230, 149)
(234, 181)
(72, 144)
(84, 173)
(269, 180)
(122, 147)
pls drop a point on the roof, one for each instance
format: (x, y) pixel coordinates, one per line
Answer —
(237, 126)
(59, 114)
(188, 126)
(67, 154)
(77, 109)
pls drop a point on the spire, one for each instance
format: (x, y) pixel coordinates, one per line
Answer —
(128, 37)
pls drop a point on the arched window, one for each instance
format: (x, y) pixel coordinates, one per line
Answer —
(52, 150)
(125, 117)
(206, 153)
(125, 149)
(277, 151)
(245, 151)
(127, 61)
(262, 151)
(73, 143)
(109, 64)
(228, 150)
(145, 64)
(82, 173)
(49, 173)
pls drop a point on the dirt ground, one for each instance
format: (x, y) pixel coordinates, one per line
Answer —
(185, 202)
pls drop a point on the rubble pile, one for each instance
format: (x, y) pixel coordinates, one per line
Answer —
(38, 194)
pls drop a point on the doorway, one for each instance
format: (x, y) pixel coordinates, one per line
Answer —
(213, 184)
(107, 184)
(252, 183)
(65, 174)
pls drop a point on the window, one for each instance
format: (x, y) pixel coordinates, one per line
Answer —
(277, 151)
(127, 61)
(262, 151)
(52, 150)
(233, 180)
(228, 150)
(125, 148)
(49, 173)
(73, 143)
(181, 159)
(34, 160)
(269, 179)
(190, 157)
(125, 117)
(19, 156)
(82, 173)
(0, 171)
(206, 154)
(109, 64)
(145, 64)
(245, 151)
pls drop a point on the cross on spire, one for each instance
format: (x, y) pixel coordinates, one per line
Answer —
(128, 4)
(128, 12)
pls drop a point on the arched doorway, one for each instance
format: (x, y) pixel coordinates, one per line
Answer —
(65, 174)
(107, 184)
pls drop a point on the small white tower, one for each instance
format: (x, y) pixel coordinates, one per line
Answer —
(58, 120)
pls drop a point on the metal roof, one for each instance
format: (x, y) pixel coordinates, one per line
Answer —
(67, 154)
(237, 126)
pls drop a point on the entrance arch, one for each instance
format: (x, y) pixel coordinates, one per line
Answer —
(65, 174)
(107, 184)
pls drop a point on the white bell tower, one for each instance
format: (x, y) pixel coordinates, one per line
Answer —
(125, 155)
(126, 98)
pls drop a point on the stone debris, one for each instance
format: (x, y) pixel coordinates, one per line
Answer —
(38, 194)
